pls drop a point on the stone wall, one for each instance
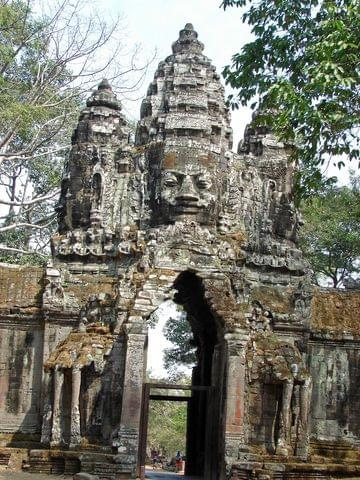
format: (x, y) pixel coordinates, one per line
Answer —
(336, 313)
(21, 288)
(334, 359)
(335, 404)
(21, 348)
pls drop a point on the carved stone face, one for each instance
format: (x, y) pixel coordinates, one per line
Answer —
(187, 191)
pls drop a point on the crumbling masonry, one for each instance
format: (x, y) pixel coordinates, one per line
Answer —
(178, 215)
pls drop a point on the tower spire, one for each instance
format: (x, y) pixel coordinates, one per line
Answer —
(87, 213)
(186, 125)
(188, 41)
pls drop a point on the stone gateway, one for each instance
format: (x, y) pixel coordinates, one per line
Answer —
(177, 215)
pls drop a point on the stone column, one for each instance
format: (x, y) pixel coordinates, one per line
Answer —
(47, 409)
(235, 402)
(127, 440)
(75, 431)
(283, 444)
(47, 389)
(302, 442)
(56, 437)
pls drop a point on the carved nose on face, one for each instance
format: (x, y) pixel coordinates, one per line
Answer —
(187, 192)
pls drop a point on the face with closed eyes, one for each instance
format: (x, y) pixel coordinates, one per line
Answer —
(187, 192)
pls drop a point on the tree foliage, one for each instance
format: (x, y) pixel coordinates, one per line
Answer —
(177, 330)
(182, 352)
(51, 55)
(302, 71)
(167, 426)
(167, 419)
(330, 236)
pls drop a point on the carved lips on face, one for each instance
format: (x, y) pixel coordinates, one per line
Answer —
(187, 194)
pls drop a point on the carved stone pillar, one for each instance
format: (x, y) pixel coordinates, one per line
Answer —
(75, 432)
(47, 409)
(127, 440)
(56, 437)
(47, 388)
(283, 444)
(235, 400)
(302, 443)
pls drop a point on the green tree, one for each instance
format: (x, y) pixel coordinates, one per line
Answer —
(182, 352)
(302, 71)
(168, 419)
(330, 236)
(51, 55)
(177, 330)
(167, 426)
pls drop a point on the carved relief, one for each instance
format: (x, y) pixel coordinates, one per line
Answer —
(272, 361)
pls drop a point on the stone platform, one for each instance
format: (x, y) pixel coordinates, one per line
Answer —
(61, 462)
(33, 463)
(346, 464)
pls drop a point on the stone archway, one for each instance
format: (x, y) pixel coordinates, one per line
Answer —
(216, 318)
(205, 429)
(205, 432)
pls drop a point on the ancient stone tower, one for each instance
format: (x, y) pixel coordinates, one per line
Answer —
(179, 215)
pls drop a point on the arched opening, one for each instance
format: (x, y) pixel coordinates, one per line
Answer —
(205, 431)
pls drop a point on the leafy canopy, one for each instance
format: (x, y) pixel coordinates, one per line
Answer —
(37, 107)
(330, 236)
(303, 70)
(167, 426)
(35, 101)
(182, 352)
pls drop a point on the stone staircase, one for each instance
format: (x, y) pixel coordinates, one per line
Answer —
(4, 459)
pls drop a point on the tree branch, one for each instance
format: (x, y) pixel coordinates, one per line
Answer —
(20, 250)
(35, 226)
(32, 201)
